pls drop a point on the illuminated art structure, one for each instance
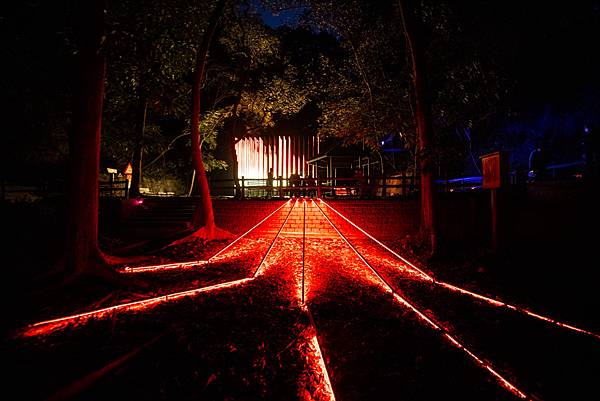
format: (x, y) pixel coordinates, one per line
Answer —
(285, 154)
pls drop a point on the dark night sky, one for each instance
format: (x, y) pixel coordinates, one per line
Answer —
(550, 50)
(286, 17)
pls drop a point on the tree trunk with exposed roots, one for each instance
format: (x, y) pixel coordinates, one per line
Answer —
(82, 255)
(203, 220)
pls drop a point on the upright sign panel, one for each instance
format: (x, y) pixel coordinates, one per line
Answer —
(495, 170)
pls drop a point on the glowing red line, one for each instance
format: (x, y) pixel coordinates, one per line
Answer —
(357, 253)
(556, 322)
(247, 232)
(168, 266)
(505, 383)
(425, 275)
(508, 385)
(49, 326)
(262, 262)
(467, 292)
(473, 294)
(328, 388)
(176, 265)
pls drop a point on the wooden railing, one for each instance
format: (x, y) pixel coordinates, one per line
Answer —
(356, 187)
(11, 191)
(114, 189)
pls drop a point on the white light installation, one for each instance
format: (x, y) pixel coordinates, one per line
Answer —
(285, 154)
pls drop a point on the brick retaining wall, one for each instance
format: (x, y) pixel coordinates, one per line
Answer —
(238, 216)
(384, 219)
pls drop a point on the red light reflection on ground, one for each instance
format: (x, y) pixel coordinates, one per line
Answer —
(318, 370)
(404, 302)
(49, 326)
(331, 242)
(219, 255)
(259, 269)
(183, 265)
(460, 290)
(422, 273)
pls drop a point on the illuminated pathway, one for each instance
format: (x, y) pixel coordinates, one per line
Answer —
(301, 307)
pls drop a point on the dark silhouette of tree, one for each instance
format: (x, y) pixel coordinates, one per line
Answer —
(411, 28)
(82, 254)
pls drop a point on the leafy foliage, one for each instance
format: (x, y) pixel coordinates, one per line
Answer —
(151, 57)
(365, 89)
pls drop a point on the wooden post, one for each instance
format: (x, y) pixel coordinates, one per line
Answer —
(495, 177)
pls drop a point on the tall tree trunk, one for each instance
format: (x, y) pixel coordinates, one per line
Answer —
(412, 34)
(82, 249)
(204, 211)
(136, 165)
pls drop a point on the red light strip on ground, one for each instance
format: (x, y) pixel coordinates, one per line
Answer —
(327, 388)
(403, 301)
(467, 292)
(425, 275)
(260, 265)
(516, 308)
(247, 232)
(49, 326)
(302, 290)
(183, 265)
(168, 266)
(384, 284)
(504, 382)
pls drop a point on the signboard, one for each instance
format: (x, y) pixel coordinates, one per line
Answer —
(495, 170)
(128, 171)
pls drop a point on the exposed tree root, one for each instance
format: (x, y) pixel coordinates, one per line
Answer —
(98, 275)
(205, 234)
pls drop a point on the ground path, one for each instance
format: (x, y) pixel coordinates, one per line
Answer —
(306, 306)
